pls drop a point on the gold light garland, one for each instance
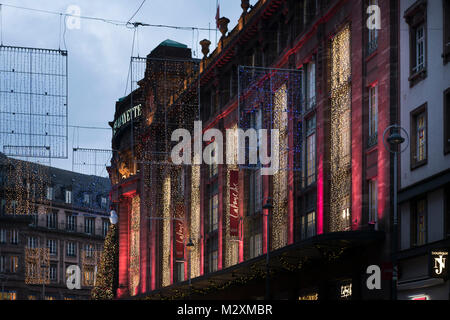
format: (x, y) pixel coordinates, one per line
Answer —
(135, 222)
(37, 266)
(194, 227)
(340, 142)
(166, 222)
(25, 186)
(279, 219)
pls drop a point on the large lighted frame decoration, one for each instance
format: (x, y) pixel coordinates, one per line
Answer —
(33, 102)
(275, 95)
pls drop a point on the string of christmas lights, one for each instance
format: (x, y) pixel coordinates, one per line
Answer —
(340, 139)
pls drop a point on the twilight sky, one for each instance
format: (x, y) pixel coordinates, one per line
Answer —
(99, 53)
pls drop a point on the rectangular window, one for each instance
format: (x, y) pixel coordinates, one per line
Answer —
(255, 191)
(105, 227)
(311, 224)
(214, 213)
(14, 236)
(49, 193)
(419, 222)
(53, 272)
(89, 225)
(104, 202)
(419, 33)
(88, 275)
(86, 199)
(51, 245)
(447, 121)
(68, 196)
(419, 137)
(180, 271)
(32, 242)
(2, 235)
(310, 150)
(415, 17)
(311, 85)
(255, 245)
(373, 115)
(14, 264)
(51, 220)
(372, 41)
(446, 44)
(373, 202)
(213, 260)
(2, 264)
(89, 249)
(8, 295)
(71, 249)
(71, 222)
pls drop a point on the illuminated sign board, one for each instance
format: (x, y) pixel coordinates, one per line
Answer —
(126, 117)
(438, 263)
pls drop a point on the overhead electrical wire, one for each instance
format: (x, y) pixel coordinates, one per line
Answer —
(110, 21)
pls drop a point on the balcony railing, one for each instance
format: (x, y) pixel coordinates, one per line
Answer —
(74, 228)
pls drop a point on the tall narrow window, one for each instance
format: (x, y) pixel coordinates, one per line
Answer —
(51, 245)
(311, 85)
(214, 217)
(14, 265)
(2, 264)
(68, 196)
(310, 150)
(373, 115)
(32, 242)
(180, 271)
(14, 239)
(311, 224)
(415, 17)
(49, 193)
(447, 121)
(2, 235)
(372, 41)
(89, 225)
(51, 220)
(71, 221)
(419, 137)
(446, 44)
(373, 202)
(419, 33)
(419, 222)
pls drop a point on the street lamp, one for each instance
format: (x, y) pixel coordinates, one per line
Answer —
(395, 140)
(269, 207)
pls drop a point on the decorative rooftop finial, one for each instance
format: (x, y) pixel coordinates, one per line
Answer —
(223, 25)
(205, 43)
(245, 4)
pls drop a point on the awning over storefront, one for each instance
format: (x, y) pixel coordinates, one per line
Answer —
(314, 248)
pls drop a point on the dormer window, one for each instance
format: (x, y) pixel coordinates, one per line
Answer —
(86, 198)
(103, 202)
(68, 197)
(49, 193)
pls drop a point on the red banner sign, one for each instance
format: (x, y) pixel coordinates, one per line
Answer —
(179, 234)
(234, 203)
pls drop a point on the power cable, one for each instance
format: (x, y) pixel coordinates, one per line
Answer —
(136, 12)
(128, 24)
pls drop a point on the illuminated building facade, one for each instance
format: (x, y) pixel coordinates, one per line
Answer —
(48, 228)
(314, 71)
